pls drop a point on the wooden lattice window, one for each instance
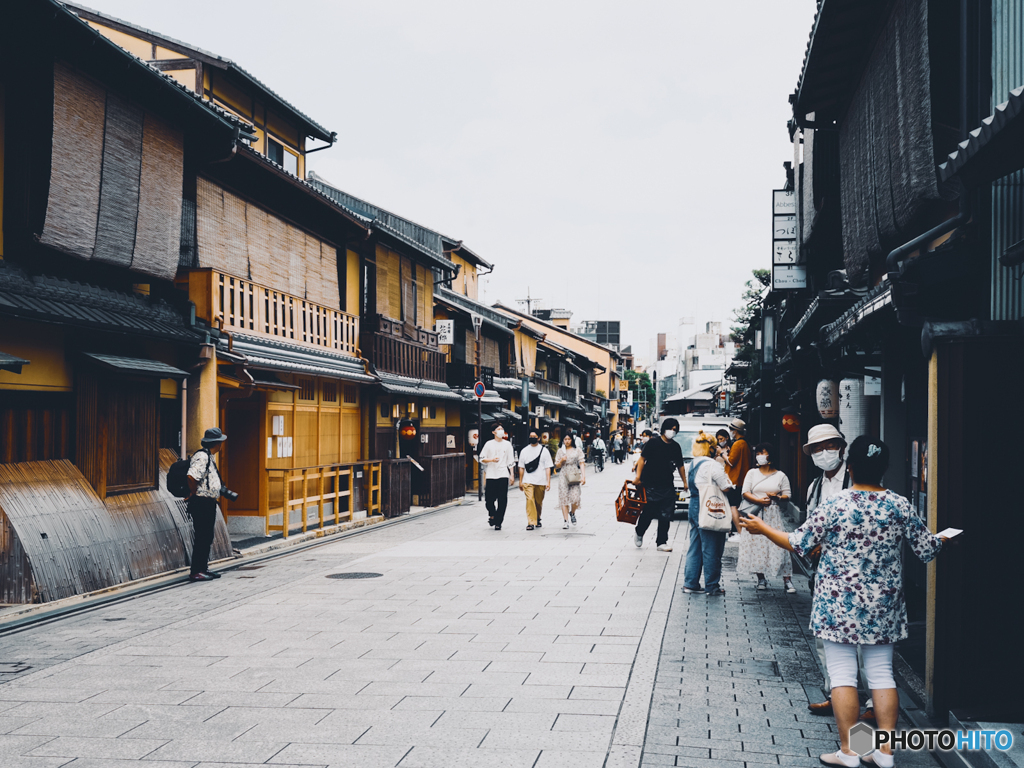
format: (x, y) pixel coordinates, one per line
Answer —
(351, 394)
(329, 392)
(307, 389)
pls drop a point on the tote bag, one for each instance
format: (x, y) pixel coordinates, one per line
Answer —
(715, 514)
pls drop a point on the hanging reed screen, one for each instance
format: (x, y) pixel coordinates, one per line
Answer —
(115, 179)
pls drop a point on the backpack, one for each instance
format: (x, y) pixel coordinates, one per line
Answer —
(177, 476)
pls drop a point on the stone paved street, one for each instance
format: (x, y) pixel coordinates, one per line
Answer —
(473, 648)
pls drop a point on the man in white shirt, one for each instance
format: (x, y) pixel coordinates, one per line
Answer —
(204, 482)
(534, 478)
(826, 446)
(497, 459)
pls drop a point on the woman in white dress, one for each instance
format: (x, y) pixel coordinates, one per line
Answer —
(764, 488)
(572, 476)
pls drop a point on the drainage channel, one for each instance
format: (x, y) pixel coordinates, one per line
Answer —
(130, 593)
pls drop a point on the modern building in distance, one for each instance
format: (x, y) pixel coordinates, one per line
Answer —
(556, 317)
(603, 332)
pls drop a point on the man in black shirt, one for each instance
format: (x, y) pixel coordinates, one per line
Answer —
(660, 458)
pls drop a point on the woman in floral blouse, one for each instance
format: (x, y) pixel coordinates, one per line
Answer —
(858, 598)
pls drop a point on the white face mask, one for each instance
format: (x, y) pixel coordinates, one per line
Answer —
(761, 459)
(499, 433)
(670, 433)
(826, 460)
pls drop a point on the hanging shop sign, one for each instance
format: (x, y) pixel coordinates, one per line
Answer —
(445, 330)
(449, 441)
(786, 275)
(827, 397)
(473, 437)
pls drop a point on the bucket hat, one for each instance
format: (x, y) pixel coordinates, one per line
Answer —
(214, 435)
(821, 433)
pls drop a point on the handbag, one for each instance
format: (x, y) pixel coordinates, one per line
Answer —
(572, 472)
(715, 514)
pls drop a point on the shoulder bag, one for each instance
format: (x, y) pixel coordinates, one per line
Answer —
(571, 470)
(532, 464)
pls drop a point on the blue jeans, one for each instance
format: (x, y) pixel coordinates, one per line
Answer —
(706, 548)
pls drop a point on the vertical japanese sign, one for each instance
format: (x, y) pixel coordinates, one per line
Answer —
(786, 274)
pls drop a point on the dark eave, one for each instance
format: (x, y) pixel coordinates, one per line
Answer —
(842, 38)
(276, 102)
(467, 305)
(457, 248)
(993, 149)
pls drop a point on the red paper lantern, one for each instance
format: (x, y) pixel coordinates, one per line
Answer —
(791, 422)
(407, 430)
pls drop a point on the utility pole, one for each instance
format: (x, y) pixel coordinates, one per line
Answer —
(529, 302)
(477, 322)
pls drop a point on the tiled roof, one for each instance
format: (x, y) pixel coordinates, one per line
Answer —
(991, 127)
(282, 356)
(56, 300)
(214, 110)
(494, 318)
(211, 58)
(402, 385)
(138, 366)
(426, 241)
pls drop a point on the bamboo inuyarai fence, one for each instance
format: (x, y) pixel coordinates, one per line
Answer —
(339, 485)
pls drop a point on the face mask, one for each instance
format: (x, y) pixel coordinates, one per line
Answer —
(534, 441)
(500, 433)
(826, 460)
(670, 433)
(761, 459)
(721, 441)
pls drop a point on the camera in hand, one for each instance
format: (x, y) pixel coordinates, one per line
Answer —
(228, 494)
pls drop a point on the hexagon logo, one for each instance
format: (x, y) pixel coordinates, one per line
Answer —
(862, 738)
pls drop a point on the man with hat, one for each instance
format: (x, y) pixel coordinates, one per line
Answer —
(826, 446)
(205, 483)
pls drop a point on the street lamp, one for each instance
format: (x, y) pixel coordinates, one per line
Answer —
(478, 321)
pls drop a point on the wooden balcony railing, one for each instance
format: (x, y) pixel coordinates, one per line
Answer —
(246, 307)
(553, 388)
(305, 487)
(402, 357)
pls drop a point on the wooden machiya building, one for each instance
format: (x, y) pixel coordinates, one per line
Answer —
(908, 181)
(97, 344)
(414, 416)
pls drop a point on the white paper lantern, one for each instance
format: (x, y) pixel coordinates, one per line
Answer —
(827, 397)
(853, 409)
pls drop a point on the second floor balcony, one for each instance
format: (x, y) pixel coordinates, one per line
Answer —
(241, 306)
(403, 357)
(554, 389)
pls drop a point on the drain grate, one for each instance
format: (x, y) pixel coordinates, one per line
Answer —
(355, 575)
(248, 567)
(119, 618)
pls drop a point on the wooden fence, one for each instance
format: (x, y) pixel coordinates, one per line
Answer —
(443, 479)
(343, 486)
(396, 487)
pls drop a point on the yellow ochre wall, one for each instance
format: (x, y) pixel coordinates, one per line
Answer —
(352, 283)
(392, 270)
(43, 346)
(468, 281)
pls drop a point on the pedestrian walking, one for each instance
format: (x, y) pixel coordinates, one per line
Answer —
(534, 478)
(858, 600)
(572, 476)
(660, 459)
(706, 547)
(765, 488)
(499, 460)
(638, 448)
(617, 448)
(205, 484)
(826, 446)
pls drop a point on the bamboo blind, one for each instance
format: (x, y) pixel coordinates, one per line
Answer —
(115, 179)
(242, 239)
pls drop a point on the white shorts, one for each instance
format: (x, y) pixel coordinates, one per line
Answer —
(841, 659)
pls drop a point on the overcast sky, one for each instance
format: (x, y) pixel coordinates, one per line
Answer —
(616, 159)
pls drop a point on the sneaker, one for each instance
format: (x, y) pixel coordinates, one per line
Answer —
(694, 591)
(838, 758)
(497, 527)
(529, 527)
(573, 518)
(212, 575)
(716, 592)
(789, 586)
(762, 584)
(638, 539)
(664, 548)
(565, 525)
(199, 577)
